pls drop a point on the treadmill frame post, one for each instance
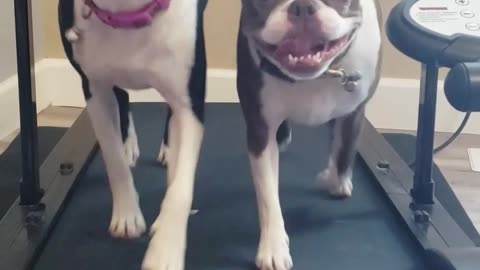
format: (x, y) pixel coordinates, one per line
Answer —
(30, 191)
(424, 186)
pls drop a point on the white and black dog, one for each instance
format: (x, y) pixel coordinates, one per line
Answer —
(289, 54)
(139, 44)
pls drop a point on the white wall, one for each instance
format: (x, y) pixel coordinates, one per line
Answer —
(9, 115)
(7, 37)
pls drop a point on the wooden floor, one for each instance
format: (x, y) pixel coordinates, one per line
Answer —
(453, 161)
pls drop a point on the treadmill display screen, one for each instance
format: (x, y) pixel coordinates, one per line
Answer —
(448, 17)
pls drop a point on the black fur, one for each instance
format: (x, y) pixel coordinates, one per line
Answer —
(283, 133)
(197, 83)
(249, 85)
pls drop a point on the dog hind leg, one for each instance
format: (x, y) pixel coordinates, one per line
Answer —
(127, 126)
(337, 178)
(163, 153)
(284, 136)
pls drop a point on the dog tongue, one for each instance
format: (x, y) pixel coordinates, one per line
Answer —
(295, 47)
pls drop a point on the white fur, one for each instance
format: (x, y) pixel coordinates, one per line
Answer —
(139, 59)
(127, 219)
(167, 247)
(273, 250)
(310, 102)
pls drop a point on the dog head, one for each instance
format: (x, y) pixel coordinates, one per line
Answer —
(301, 37)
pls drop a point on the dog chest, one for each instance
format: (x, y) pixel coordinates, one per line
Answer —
(310, 103)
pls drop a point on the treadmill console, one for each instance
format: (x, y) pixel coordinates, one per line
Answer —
(448, 17)
(442, 32)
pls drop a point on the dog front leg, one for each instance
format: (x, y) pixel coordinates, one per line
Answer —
(168, 244)
(273, 251)
(127, 219)
(337, 178)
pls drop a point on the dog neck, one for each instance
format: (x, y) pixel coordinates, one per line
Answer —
(135, 17)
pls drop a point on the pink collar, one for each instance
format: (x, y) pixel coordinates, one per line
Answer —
(129, 19)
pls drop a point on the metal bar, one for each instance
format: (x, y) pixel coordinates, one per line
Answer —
(423, 186)
(30, 192)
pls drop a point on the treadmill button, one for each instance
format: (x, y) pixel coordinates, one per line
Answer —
(462, 2)
(473, 26)
(467, 13)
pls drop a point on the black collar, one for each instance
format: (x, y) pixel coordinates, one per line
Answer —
(273, 70)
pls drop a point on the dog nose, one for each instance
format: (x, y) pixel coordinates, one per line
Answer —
(303, 8)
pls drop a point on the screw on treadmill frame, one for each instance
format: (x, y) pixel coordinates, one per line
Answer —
(34, 214)
(66, 168)
(422, 216)
(383, 165)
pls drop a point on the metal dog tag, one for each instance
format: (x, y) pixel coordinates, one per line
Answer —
(348, 80)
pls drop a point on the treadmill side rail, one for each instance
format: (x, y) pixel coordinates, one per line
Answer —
(441, 234)
(23, 233)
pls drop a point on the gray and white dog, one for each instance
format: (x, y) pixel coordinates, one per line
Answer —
(138, 44)
(289, 53)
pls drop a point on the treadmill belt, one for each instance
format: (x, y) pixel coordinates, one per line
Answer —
(360, 233)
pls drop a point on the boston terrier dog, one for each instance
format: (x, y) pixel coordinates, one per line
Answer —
(312, 62)
(140, 44)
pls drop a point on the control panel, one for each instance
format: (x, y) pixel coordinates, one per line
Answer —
(448, 17)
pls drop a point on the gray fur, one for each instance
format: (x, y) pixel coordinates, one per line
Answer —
(249, 83)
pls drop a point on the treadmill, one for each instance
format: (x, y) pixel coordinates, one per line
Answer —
(393, 221)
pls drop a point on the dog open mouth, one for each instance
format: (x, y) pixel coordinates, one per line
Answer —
(302, 55)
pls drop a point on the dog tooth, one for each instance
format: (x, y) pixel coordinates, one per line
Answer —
(290, 57)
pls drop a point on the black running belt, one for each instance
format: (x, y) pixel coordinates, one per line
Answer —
(360, 233)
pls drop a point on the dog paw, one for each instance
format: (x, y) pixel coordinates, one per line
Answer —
(166, 250)
(274, 251)
(132, 150)
(339, 187)
(127, 219)
(163, 154)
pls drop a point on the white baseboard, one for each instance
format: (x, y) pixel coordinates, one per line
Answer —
(9, 104)
(394, 106)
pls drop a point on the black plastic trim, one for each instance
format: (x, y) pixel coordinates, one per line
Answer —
(24, 231)
(441, 233)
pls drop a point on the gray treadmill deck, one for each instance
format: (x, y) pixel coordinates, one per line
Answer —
(360, 233)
